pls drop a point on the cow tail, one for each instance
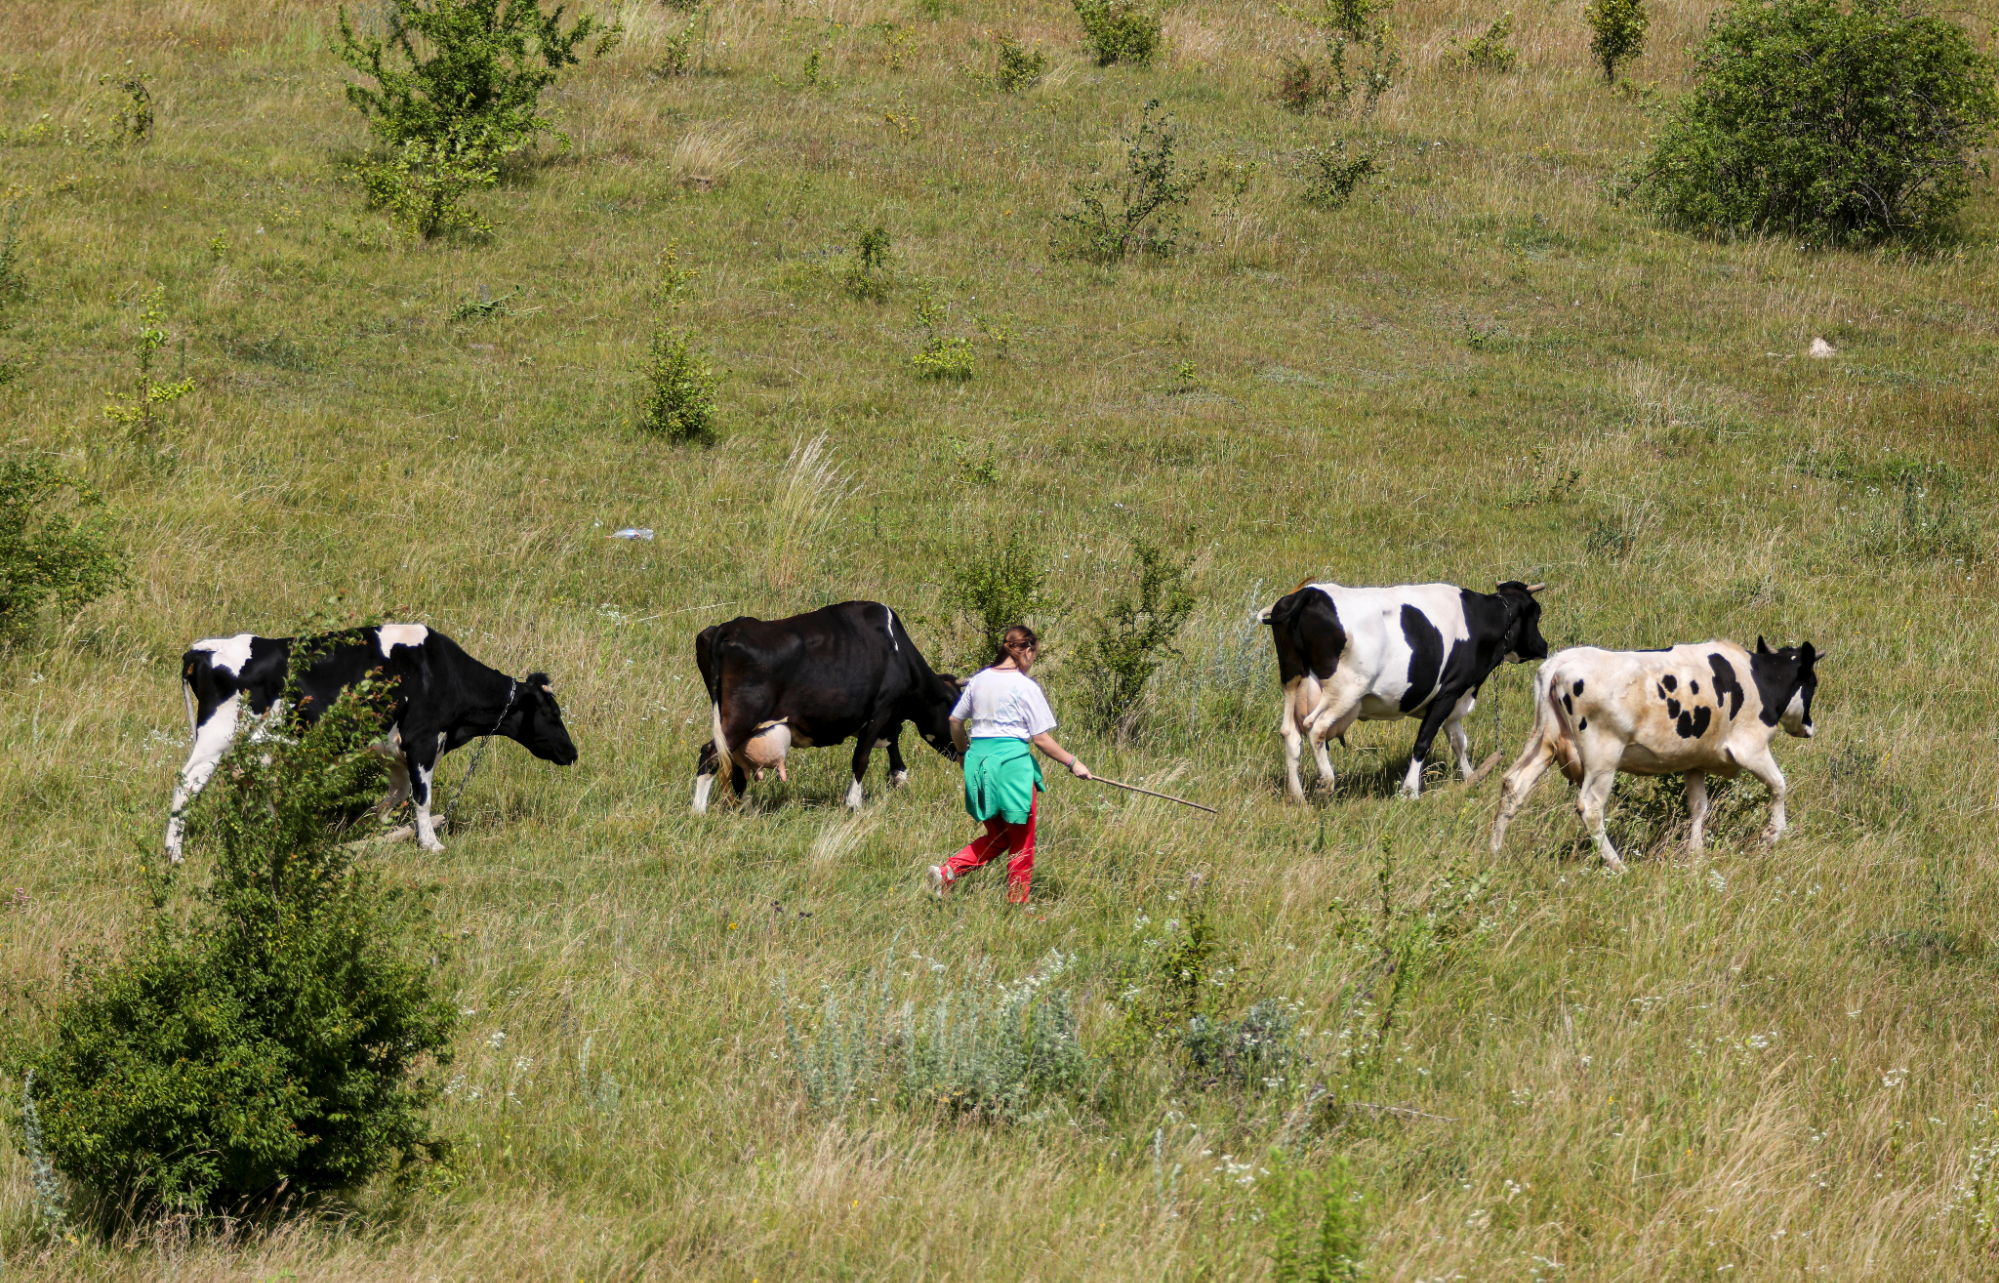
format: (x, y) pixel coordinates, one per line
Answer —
(725, 765)
(1556, 733)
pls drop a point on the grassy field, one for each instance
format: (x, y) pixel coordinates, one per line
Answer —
(1765, 1064)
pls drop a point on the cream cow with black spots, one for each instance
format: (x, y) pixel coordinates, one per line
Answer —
(1697, 710)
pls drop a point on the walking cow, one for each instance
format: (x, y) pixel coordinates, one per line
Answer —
(1375, 654)
(841, 672)
(440, 699)
(1711, 709)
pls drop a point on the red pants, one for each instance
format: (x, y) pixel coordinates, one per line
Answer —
(1001, 836)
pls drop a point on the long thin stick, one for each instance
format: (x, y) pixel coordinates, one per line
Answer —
(1133, 788)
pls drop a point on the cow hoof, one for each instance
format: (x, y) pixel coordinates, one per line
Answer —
(898, 779)
(1613, 868)
(434, 847)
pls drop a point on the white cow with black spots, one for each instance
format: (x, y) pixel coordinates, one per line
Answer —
(440, 698)
(1696, 710)
(1375, 654)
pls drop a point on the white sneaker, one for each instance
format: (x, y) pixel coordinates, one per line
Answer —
(940, 881)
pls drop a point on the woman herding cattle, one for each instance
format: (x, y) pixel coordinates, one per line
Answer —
(1001, 711)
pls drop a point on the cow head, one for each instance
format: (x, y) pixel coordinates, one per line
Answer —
(938, 694)
(1787, 679)
(535, 721)
(1523, 639)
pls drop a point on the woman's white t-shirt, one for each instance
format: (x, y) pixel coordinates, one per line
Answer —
(1004, 703)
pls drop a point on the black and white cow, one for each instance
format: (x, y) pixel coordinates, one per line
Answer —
(841, 672)
(1375, 654)
(442, 699)
(1709, 709)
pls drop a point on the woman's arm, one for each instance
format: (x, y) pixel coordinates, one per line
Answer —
(1046, 743)
(960, 736)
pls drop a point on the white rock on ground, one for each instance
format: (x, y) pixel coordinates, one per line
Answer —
(1819, 350)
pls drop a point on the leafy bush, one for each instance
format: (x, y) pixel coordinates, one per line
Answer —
(1839, 126)
(942, 356)
(678, 397)
(1331, 176)
(995, 586)
(1345, 26)
(1250, 1053)
(1127, 644)
(265, 1037)
(1617, 33)
(463, 76)
(1300, 1252)
(867, 276)
(1120, 215)
(50, 552)
(1119, 31)
(676, 54)
(139, 416)
(421, 186)
(1019, 66)
(1490, 52)
(1300, 87)
(985, 1048)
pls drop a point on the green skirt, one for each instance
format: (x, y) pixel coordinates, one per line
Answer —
(1000, 778)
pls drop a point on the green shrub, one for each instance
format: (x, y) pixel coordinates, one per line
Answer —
(942, 356)
(676, 53)
(677, 400)
(464, 75)
(422, 187)
(1119, 31)
(1127, 644)
(1123, 214)
(134, 121)
(138, 415)
(1617, 33)
(1301, 1252)
(1019, 66)
(983, 1048)
(867, 276)
(1331, 176)
(1836, 125)
(268, 1036)
(51, 552)
(993, 587)
(1254, 1052)
(1490, 52)
(1345, 26)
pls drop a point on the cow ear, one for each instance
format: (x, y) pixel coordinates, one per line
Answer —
(538, 679)
(1811, 656)
(1762, 647)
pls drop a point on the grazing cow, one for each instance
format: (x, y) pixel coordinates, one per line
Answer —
(1375, 654)
(441, 699)
(1711, 709)
(814, 680)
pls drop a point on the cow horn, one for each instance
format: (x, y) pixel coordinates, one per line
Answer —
(1534, 588)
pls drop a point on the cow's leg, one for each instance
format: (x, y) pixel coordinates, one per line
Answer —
(421, 751)
(211, 740)
(390, 749)
(706, 767)
(864, 746)
(1764, 767)
(1337, 708)
(898, 770)
(1697, 811)
(1291, 727)
(1589, 804)
(1454, 731)
(1434, 716)
(1520, 780)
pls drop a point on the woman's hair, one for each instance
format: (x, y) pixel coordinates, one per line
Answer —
(1018, 635)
